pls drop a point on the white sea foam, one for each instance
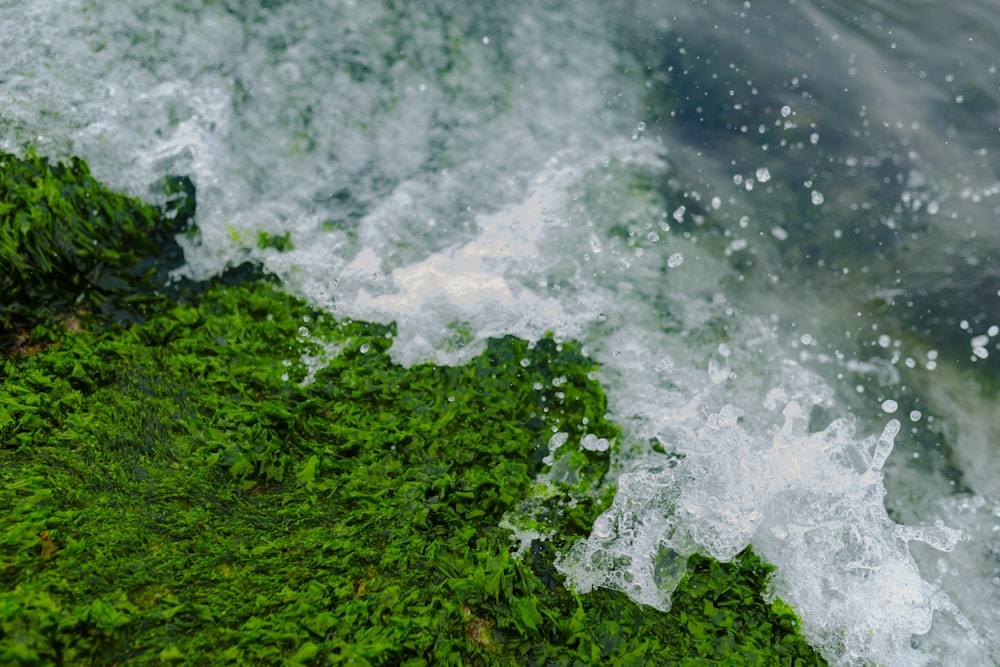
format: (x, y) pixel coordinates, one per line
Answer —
(810, 501)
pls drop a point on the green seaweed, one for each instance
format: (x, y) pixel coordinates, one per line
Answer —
(191, 489)
(279, 242)
(66, 241)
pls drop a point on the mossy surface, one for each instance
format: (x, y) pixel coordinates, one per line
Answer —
(67, 241)
(237, 479)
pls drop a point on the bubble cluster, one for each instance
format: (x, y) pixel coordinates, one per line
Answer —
(800, 499)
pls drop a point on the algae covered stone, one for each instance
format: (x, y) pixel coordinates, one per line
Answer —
(67, 241)
(238, 478)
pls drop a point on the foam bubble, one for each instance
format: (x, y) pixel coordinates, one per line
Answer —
(592, 443)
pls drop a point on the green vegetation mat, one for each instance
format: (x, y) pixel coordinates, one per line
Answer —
(229, 477)
(67, 241)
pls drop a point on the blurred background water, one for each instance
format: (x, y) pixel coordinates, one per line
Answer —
(774, 224)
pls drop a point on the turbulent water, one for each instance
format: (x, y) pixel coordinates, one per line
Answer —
(773, 224)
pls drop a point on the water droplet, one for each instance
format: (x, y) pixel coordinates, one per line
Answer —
(786, 111)
(763, 174)
(365, 348)
(592, 443)
(817, 197)
(675, 260)
(889, 406)
(884, 445)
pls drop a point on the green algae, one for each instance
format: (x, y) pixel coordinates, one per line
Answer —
(194, 488)
(66, 241)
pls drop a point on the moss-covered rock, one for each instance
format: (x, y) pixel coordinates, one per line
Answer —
(67, 241)
(238, 479)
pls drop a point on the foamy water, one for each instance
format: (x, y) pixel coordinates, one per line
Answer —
(768, 229)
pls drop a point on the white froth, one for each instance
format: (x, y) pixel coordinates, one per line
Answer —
(470, 284)
(801, 500)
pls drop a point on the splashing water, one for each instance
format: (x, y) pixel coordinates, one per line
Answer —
(683, 189)
(801, 502)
